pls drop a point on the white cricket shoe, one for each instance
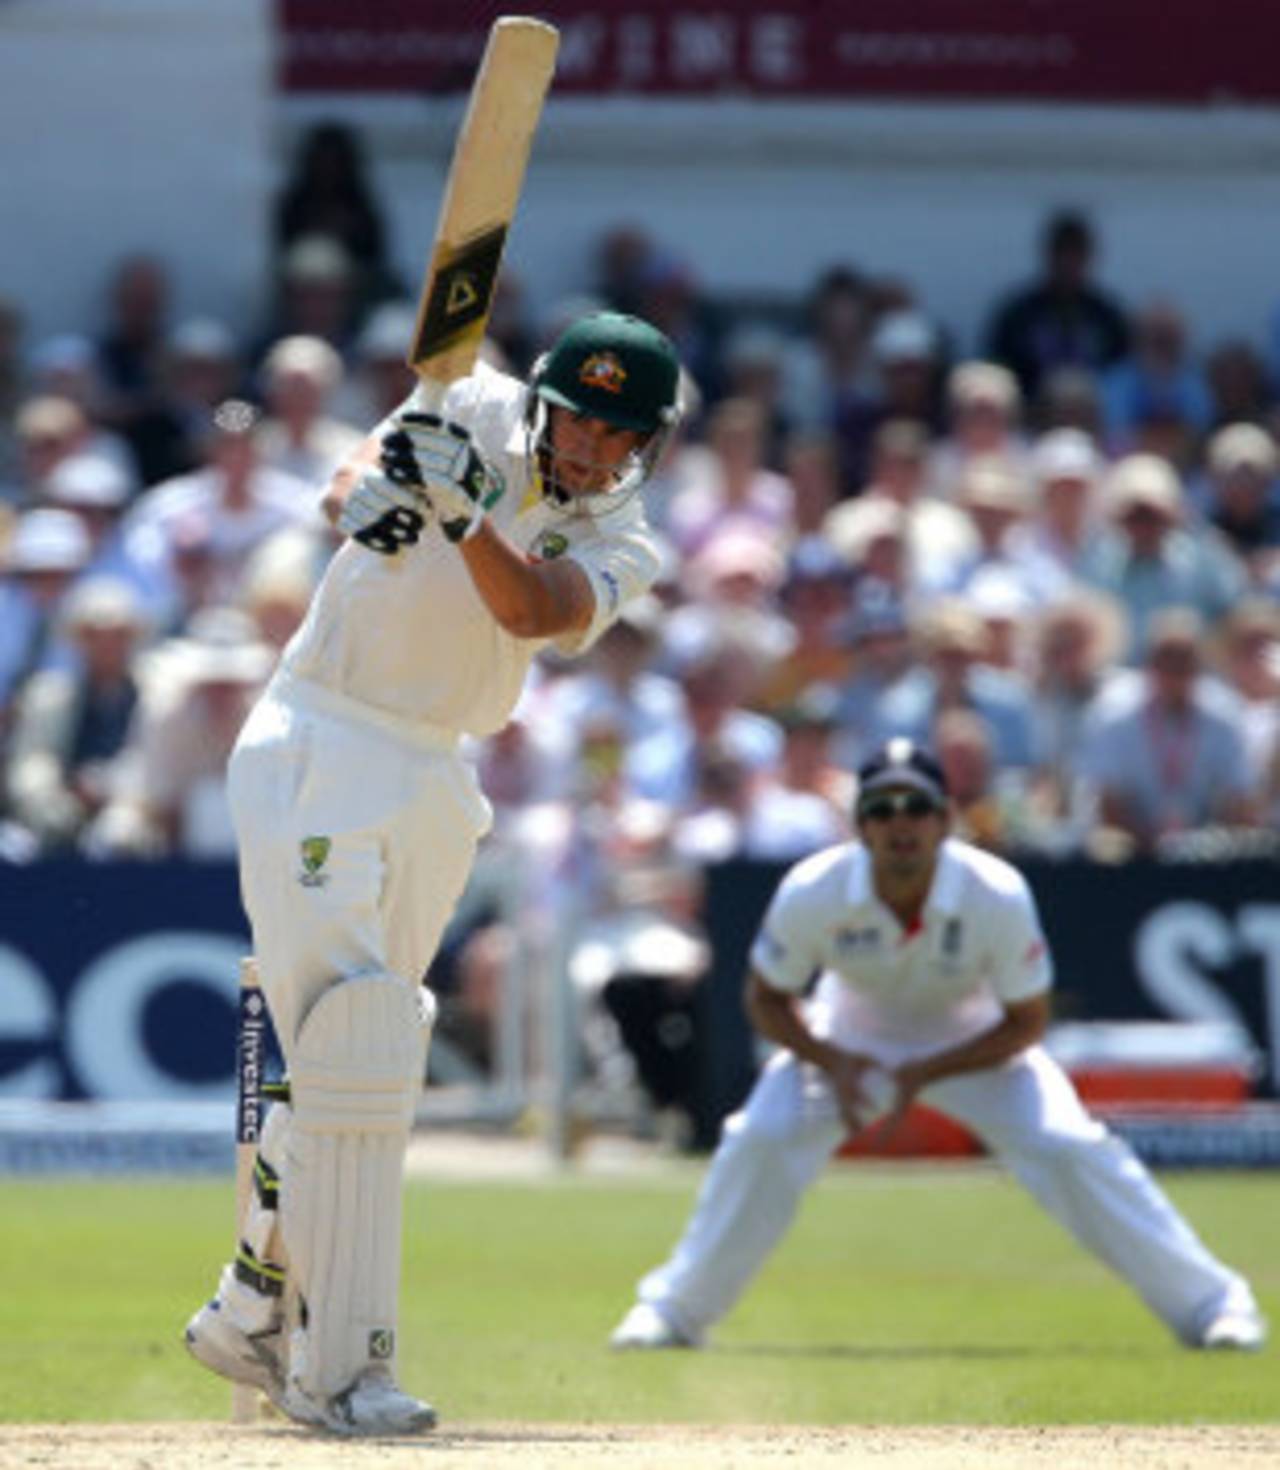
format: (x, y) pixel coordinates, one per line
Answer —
(373, 1405)
(251, 1358)
(645, 1327)
(1234, 1331)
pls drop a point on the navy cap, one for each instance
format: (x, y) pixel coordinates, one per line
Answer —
(901, 762)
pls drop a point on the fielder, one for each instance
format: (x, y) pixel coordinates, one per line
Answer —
(933, 983)
(357, 817)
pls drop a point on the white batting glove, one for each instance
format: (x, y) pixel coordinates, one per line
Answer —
(440, 457)
(382, 515)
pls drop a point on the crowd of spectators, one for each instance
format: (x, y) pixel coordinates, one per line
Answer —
(1053, 552)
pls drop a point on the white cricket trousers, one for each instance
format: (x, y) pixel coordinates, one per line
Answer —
(1028, 1115)
(397, 813)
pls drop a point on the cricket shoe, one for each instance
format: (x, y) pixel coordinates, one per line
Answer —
(373, 1405)
(251, 1358)
(1233, 1331)
(644, 1327)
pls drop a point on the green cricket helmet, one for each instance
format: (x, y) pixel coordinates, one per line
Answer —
(619, 369)
(612, 367)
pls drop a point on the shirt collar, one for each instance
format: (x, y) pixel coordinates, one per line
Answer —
(944, 892)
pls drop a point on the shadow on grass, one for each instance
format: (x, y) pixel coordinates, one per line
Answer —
(923, 1352)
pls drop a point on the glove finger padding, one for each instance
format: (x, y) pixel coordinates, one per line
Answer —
(446, 463)
(399, 462)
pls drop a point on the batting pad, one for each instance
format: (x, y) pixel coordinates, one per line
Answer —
(356, 1071)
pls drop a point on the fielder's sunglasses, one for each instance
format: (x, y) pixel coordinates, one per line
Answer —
(909, 803)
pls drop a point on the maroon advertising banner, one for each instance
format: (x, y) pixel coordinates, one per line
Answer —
(1181, 51)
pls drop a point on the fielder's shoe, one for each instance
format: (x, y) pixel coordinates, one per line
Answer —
(645, 1327)
(1234, 1331)
(251, 1358)
(373, 1405)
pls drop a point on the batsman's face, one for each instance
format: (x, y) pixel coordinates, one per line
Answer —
(902, 831)
(588, 453)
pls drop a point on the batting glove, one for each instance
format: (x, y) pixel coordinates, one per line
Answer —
(382, 515)
(425, 450)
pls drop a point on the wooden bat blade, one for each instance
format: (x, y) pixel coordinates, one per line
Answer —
(480, 196)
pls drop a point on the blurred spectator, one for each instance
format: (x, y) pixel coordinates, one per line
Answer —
(996, 497)
(1070, 398)
(809, 725)
(200, 368)
(220, 513)
(1156, 381)
(814, 601)
(130, 350)
(1006, 603)
(811, 467)
(670, 298)
(71, 723)
(328, 196)
(619, 684)
(279, 579)
(752, 359)
(95, 491)
(169, 795)
(318, 296)
(1076, 644)
(729, 485)
(1243, 494)
(1066, 469)
(1062, 319)
(300, 376)
(1237, 378)
(939, 537)
(1149, 559)
(718, 677)
(1247, 657)
(954, 676)
(1167, 754)
(510, 325)
(906, 353)
(47, 550)
(381, 379)
(880, 641)
(66, 367)
(826, 374)
(51, 429)
(738, 574)
(984, 801)
(623, 258)
(984, 406)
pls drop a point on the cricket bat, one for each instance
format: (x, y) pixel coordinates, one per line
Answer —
(251, 1042)
(480, 197)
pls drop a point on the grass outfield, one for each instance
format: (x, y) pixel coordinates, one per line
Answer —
(901, 1297)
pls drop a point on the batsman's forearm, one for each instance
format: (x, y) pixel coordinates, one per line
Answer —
(529, 599)
(345, 476)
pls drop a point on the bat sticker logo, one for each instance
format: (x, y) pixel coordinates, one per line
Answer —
(603, 370)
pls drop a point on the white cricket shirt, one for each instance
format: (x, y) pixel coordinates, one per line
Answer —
(978, 944)
(408, 635)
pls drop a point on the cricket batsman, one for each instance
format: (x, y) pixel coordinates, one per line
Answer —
(933, 983)
(502, 519)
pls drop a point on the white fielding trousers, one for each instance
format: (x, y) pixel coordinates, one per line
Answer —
(398, 815)
(1028, 1115)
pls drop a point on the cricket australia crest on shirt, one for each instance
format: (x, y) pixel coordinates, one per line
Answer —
(550, 545)
(315, 854)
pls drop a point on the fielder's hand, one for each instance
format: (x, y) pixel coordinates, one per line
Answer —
(439, 456)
